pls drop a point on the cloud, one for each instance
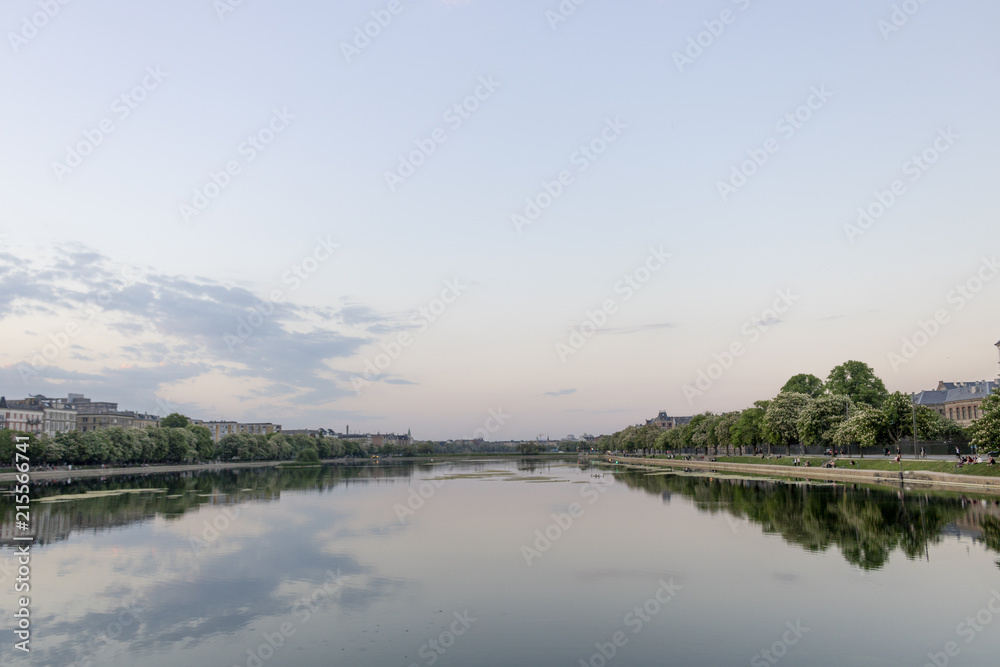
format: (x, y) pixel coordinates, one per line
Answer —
(561, 392)
(174, 328)
(638, 329)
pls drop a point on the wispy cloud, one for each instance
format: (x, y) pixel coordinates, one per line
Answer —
(638, 329)
(172, 328)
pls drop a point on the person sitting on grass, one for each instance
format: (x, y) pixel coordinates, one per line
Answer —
(992, 460)
(853, 462)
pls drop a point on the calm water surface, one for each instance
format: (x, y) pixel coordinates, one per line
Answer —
(503, 562)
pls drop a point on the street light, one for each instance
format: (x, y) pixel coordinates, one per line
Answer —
(847, 413)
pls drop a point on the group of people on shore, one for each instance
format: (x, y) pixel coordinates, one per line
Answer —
(971, 460)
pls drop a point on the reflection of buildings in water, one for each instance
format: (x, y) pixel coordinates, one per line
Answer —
(978, 512)
(48, 525)
(54, 522)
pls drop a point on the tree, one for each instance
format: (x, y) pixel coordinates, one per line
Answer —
(804, 383)
(528, 448)
(637, 438)
(8, 448)
(699, 432)
(857, 380)
(986, 430)
(181, 445)
(724, 429)
(898, 413)
(174, 420)
(782, 416)
(748, 431)
(124, 445)
(227, 447)
(865, 428)
(203, 441)
(819, 421)
(671, 439)
(308, 455)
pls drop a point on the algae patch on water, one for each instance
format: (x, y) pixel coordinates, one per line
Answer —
(484, 474)
(95, 494)
(503, 475)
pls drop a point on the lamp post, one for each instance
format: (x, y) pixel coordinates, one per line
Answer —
(913, 405)
(847, 416)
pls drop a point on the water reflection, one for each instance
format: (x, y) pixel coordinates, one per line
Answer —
(60, 508)
(201, 568)
(866, 524)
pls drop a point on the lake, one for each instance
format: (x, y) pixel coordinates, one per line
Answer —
(502, 562)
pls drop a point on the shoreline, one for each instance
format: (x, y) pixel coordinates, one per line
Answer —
(945, 481)
(38, 474)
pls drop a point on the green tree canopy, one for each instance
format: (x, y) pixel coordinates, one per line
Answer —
(782, 416)
(857, 380)
(986, 430)
(174, 420)
(308, 455)
(748, 431)
(203, 441)
(898, 413)
(864, 428)
(724, 424)
(804, 383)
(819, 420)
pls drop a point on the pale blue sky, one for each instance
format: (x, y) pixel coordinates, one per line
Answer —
(160, 340)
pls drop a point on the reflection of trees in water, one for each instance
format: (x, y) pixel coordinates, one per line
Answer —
(178, 493)
(865, 524)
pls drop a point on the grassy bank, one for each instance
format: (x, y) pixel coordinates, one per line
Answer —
(979, 469)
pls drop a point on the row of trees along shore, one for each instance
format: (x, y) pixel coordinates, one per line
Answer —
(851, 410)
(177, 440)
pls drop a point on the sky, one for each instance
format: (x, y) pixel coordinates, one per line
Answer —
(518, 218)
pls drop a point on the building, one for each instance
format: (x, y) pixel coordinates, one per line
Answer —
(265, 428)
(57, 418)
(220, 429)
(665, 422)
(80, 402)
(24, 418)
(382, 439)
(311, 432)
(960, 402)
(142, 420)
(95, 420)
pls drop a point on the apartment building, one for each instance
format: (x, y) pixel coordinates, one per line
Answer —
(25, 418)
(220, 429)
(57, 416)
(90, 420)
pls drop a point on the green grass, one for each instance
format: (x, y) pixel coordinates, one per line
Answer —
(979, 469)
